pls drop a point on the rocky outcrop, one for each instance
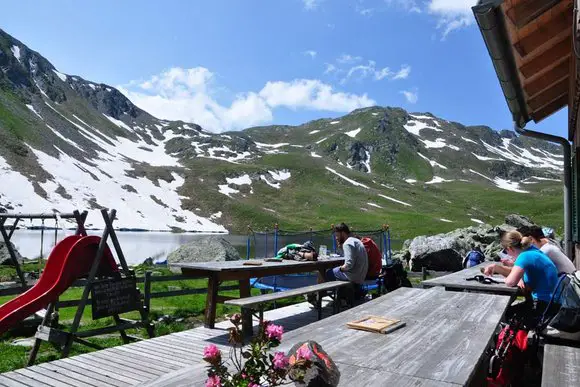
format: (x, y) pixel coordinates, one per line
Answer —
(209, 249)
(5, 255)
(445, 252)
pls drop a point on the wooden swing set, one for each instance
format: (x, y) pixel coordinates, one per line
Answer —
(109, 295)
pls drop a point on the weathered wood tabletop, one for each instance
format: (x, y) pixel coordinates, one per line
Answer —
(442, 344)
(561, 366)
(458, 281)
(444, 339)
(241, 271)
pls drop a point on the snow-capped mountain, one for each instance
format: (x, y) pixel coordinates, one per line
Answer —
(67, 143)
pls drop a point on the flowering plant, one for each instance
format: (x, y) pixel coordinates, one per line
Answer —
(255, 365)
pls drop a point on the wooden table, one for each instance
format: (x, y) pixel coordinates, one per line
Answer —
(561, 366)
(442, 344)
(457, 281)
(217, 272)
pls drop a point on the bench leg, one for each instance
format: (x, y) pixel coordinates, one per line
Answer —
(336, 304)
(247, 325)
(319, 305)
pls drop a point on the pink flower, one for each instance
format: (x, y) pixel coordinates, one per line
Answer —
(303, 353)
(274, 332)
(213, 381)
(212, 354)
(280, 360)
(253, 385)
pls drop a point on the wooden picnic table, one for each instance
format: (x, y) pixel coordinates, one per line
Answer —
(217, 272)
(457, 282)
(561, 366)
(442, 344)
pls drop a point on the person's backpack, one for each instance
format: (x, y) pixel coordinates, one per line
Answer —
(374, 256)
(395, 276)
(473, 258)
(565, 324)
(508, 358)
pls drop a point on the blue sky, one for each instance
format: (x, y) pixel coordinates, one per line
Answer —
(232, 64)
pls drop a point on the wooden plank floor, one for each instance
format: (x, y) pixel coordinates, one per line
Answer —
(144, 361)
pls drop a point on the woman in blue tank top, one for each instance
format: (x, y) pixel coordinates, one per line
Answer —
(533, 267)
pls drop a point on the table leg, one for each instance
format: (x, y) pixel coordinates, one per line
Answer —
(244, 285)
(211, 301)
(321, 275)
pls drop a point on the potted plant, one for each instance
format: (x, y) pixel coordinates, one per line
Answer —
(255, 365)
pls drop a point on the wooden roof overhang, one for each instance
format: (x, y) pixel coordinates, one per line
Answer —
(530, 44)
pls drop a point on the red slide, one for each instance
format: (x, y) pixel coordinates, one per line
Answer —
(68, 261)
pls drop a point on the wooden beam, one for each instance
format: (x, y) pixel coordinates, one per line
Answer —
(549, 58)
(555, 29)
(526, 11)
(536, 85)
(548, 96)
(550, 109)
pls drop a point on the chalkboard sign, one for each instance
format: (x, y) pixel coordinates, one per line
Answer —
(114, 296)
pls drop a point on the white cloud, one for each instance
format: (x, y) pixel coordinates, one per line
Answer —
(348, 59)
(403, 73)
(364, 71)
(310, 53)
(330, 68)
(189, 95)
(311, 4)
(407, 5)
(312, 94)
(412, 96)
(452, 14)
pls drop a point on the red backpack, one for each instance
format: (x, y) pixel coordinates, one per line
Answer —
(375, 257)
(508, 359)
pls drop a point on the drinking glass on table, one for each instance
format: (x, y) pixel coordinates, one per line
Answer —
(323, 252)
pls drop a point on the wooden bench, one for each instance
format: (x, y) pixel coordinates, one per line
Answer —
(561, 366)
(256, 303)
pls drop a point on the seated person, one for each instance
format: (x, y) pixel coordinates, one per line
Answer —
(532, 267)
(562, 262)
(356, 263)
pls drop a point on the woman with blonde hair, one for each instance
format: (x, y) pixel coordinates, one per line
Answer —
(538, 272)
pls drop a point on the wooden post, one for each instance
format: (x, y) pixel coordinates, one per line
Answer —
(147, 292)
(11, 252)
(37, 341)
(80, 218)
(13, 228)
(211, 300)
(424, 273)
(113, 235)
(94, 268)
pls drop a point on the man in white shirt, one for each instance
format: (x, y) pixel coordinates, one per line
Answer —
(562, 262)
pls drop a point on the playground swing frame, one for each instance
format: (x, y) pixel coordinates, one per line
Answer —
(80, 218)
(47, 330)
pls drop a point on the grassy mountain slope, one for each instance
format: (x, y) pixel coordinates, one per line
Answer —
(66, 142)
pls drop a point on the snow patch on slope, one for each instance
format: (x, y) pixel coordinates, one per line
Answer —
(437, 180)
(432, 162)
(395, 200)
(353, 133)
(60, 75)
(31, 108)
(353, 182)
(154, 206)
(16, 52)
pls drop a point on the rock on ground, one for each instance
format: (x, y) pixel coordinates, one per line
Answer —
(445, 252)
(5, 255)
(207, 249)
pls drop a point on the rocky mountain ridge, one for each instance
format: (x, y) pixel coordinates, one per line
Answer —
(66, 142)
